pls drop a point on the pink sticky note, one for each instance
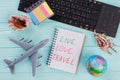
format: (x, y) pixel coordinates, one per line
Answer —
(44, 11)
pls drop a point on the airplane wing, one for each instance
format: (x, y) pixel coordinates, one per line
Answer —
(24, 45)
(34, 62)
(33, 57)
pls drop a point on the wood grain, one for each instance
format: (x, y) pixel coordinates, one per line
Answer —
(9, 50)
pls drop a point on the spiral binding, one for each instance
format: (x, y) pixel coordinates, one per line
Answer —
(34, 5)
(53, 46)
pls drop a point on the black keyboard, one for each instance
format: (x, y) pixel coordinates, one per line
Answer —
(86, 14)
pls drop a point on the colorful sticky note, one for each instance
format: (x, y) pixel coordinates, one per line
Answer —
(40, 13)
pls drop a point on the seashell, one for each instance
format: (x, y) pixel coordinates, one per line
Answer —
(19, 22)
(103, 43)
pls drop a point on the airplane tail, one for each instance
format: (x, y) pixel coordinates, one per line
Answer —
(8, 62)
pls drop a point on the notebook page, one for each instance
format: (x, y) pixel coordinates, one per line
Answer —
(66, 50)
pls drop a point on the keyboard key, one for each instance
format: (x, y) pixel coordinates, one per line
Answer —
(80, 13)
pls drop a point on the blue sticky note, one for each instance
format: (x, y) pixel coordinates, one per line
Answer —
(34, 20)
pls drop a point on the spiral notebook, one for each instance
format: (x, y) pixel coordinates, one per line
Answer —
(66, 50)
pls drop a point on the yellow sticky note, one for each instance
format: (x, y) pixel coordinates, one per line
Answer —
(47, 8)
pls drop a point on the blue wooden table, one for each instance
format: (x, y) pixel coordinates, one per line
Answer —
(9, 50)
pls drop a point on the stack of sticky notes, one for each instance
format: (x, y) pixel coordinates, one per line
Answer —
(39, 12)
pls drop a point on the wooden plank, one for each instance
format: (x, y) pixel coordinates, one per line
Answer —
(12, 53)
(36, 34)
(52, 76)
(12, 6)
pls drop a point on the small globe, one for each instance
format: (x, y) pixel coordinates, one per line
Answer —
(96, 65)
